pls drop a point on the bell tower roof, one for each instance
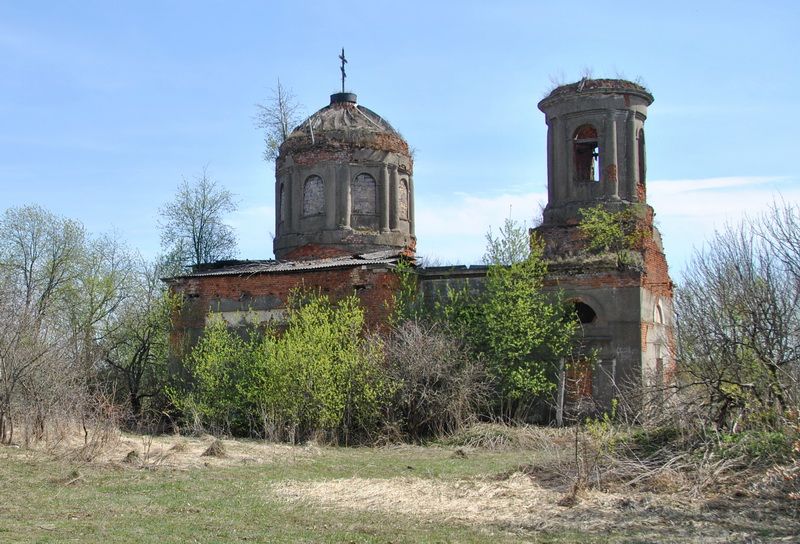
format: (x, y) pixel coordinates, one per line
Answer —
(586, 87)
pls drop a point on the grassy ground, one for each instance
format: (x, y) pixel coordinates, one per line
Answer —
(266, 493)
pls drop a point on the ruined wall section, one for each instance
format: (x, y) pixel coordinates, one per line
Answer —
(260, 298)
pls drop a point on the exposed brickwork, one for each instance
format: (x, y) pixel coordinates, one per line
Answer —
(611, 173)
(374, 288)
(600, 85)
(656, 277)
(641, 193)
(563, 241)
(314, 251)
(591, 279)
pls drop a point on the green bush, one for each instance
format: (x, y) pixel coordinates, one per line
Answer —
(319, 378)
(767, 447)
(611, 231)
(647, 442)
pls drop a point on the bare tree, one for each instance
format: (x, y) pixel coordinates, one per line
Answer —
(192, 227)
(38, 251)
(137, 342)
(739, 322)
(39, 256)
(440, 387)
(779, 230)
(276, 118)
(60, 290)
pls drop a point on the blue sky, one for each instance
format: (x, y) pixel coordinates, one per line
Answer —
(104, 107)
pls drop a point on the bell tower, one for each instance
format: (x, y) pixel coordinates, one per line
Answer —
(622, 295)
(595, 146)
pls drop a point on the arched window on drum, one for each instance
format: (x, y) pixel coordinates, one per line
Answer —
(313, 196)
(402, 198)
(364, 196)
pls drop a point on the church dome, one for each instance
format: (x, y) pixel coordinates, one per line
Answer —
(343, 185)
(344, 123)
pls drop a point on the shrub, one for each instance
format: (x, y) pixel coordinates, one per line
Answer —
(764, 447)
(319, 376)
(611, 231)
(438, 385)
(520, 331)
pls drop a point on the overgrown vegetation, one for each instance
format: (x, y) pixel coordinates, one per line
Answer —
(611, 231)
(72, 310)
(439, 386)
(739, 325)
(492, 352)
(318, 378)
(520, 332)
(85, 332)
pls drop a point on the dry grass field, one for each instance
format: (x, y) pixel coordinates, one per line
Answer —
(516, 487)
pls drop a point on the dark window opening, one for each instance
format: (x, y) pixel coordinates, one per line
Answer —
(586, 153)
(642, 158)
(585, 313)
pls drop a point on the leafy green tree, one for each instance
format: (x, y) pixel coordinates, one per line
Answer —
(39, 253)
(61, 289)
(511, 245)
(220, 366)
(526, 330)
(520, 331)
(407, 303)
(136, 342)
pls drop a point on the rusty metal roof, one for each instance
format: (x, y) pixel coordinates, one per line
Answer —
(245, 268)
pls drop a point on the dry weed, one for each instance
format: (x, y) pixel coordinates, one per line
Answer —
(498, 436)
(216, 449)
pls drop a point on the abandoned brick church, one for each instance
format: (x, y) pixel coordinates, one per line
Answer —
(344, 197)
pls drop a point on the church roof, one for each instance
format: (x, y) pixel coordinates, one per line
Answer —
(246, 268)
(344, 121)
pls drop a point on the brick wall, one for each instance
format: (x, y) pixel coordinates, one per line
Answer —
(269, 291)
(315, 251)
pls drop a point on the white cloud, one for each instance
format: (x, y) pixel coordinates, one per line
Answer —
(682, 186)
(452, 229)
(689, 211)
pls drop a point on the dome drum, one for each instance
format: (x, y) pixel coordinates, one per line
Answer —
(344, 185)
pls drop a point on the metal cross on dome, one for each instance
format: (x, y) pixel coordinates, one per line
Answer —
(344, 74)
